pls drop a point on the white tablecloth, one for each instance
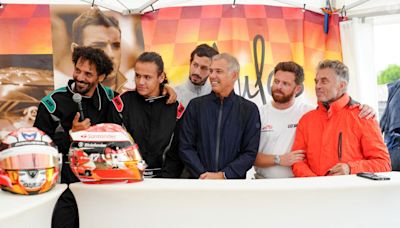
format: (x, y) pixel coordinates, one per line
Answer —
(342, 201)
(35, 211)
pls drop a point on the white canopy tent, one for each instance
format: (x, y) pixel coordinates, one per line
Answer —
(354, 8)
(356, 33)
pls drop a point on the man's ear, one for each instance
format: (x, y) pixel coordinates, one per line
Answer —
(342, 85)
(299, 90)
(73, 46)
(102, 77)
(161, 77)
(235, 75)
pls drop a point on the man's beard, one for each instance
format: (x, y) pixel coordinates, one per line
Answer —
(82, 91)
(283, 98)
(196, 76)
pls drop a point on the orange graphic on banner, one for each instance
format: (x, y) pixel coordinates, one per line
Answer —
(252, 33)
(25, 30)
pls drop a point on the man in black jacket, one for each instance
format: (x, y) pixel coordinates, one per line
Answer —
(58, 114)
(390, 124)
(220, 132)
(151, 122)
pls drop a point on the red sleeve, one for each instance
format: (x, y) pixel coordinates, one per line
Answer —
(375, 153)
(301, 168)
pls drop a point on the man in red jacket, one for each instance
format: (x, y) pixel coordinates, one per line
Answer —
(335, 140)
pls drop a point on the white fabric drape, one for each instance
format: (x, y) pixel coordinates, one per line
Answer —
(357, 47)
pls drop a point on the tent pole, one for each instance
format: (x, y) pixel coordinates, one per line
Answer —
(140, 9)
(101, 5)
(355, 4)
(299, 4)
(373, 12)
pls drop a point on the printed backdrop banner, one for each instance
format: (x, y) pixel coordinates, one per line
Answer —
(25, 29)
(120, 37)
(36, 43)
(26, 67)
(258, 36)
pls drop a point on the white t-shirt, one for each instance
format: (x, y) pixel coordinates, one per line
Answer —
(278, 128)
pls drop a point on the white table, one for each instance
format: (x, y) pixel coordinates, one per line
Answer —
(35, 211)
(343, 201)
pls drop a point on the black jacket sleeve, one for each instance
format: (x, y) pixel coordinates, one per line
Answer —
(249, 146)
(45, 122)
(173, 165)
(188, 143)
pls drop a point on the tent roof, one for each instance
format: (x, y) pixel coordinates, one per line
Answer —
(354, 8)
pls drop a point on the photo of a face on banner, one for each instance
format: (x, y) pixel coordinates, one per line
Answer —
(120, 37)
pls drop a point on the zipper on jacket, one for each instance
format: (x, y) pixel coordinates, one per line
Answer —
(340, 147)
(218, 135)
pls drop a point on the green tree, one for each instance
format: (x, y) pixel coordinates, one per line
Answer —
(390, 74)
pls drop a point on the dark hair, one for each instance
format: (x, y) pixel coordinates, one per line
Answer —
(152, 57)
(292, 67)
(94, 56)
(91, 17)
(203, 50)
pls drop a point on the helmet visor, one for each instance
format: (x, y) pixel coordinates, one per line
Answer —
(29, 157)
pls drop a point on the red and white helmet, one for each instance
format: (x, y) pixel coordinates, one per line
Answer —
(29, 162)
(105, 153)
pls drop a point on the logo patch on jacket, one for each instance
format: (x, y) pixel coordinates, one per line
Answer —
(180, 110)
(119, 105)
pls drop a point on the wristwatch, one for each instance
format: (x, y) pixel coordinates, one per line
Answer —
(277, 159)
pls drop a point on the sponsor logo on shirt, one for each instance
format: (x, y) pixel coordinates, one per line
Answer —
(267, 128)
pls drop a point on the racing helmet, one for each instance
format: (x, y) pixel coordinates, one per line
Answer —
(29, 162)
(105, 153)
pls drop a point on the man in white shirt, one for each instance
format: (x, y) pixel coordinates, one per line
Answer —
(197, 84)
(279, 120)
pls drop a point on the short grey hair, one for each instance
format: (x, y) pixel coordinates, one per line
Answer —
(341, 70)
(233, 64)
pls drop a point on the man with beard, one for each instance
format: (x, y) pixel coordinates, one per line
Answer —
(98, 30)
(197, 84)
(279, 120)
(95, 29)
(58, 114)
